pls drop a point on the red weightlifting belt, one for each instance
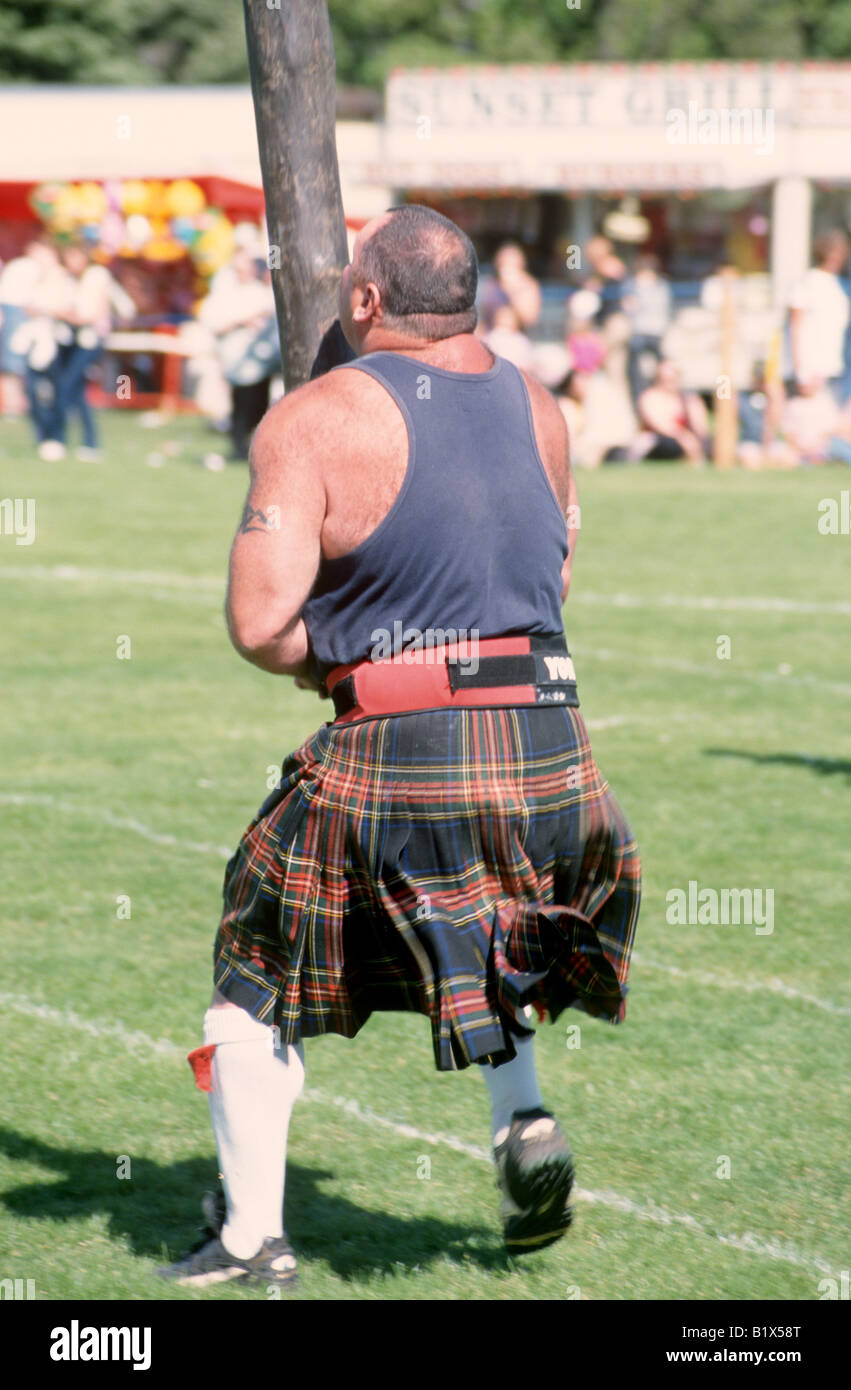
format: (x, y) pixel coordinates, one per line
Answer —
(490, 671)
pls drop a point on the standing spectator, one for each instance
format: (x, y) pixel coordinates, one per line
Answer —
(18, 280)
(674, 422)
(35, 340)
(647, 302)
(513, 285)
(606, 278)
(240, 311)
(584, 343)
(83, 324)
(818, 316)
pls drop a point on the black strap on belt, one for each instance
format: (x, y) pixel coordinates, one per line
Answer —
(552, 684)
(343, 695)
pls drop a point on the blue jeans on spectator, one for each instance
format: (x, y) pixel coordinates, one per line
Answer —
(838, 450)
(641, 373)
(42, 391)
(74, 362)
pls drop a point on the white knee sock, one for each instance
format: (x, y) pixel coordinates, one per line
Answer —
(513, 1086)
(254, 1088)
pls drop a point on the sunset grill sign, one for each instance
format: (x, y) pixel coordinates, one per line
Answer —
(606, 125)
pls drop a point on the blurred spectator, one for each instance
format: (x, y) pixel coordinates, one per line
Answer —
(18, 280)
(647, 303)
(35, 341)
(818, 316)
(600, 423)
(814, 425)
(584, 342)
(83, 319)
(760, 410)
(240, 312)
(512, 285)
(674, 423)
(607, 273)
(507, 340)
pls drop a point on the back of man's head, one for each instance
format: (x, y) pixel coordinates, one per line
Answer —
(425, 268)
(831, 247)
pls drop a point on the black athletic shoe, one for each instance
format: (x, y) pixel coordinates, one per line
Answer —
(535, 1175)
(210, 1263)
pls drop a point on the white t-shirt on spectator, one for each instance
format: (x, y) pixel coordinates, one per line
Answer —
(822, 328)
(96, 295)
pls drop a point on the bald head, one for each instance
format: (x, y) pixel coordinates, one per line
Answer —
(425, 269)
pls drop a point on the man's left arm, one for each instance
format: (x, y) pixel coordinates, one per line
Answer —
(276, 552)
(553, 441)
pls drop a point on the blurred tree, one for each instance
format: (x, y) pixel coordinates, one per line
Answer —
(153, 41)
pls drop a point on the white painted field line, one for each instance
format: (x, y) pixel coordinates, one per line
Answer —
(215, 584)
(98, 813)
(750, 986)
(69, 574)
(737, 604)
(721, 671)
(783, 1252)
(66, 1018)
(767, 986)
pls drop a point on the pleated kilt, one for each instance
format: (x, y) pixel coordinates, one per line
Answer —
(459, 863)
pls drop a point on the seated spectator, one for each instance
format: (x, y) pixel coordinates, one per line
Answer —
(760, 408)
(507, 340)
(815, 427)
(600, 424)
(674, 423)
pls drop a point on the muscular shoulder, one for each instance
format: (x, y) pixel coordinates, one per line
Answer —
(551, 437)
(323, 420)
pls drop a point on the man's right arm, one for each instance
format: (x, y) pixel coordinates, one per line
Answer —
(276, 552)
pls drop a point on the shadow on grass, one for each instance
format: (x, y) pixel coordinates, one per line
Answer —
(157, 1212)
(826, 767)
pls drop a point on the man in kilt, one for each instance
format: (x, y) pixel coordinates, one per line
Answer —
(446, 844)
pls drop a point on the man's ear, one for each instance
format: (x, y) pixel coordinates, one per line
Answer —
(370, 305)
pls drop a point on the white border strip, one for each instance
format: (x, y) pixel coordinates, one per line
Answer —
(783, 1252)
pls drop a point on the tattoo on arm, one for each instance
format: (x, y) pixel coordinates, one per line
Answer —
(255, 519)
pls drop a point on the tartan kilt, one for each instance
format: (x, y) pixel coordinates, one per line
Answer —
(460, 863)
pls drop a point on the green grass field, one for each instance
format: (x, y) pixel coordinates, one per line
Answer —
(135, 777)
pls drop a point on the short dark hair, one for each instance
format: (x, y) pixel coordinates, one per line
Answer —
(426, 270)
(827, 243)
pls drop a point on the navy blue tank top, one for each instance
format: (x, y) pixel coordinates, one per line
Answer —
(474, 542)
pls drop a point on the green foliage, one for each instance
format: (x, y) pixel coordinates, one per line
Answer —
(154, 41)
